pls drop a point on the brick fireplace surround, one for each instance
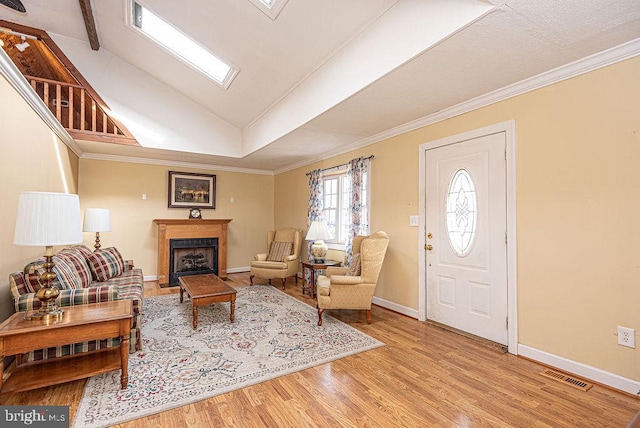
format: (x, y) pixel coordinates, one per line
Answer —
(169, 229)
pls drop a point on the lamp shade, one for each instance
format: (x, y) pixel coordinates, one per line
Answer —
(97, 220)
(318, 231)
(47, 219)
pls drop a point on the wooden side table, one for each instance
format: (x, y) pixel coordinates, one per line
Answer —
(313, 267)
(80, 323)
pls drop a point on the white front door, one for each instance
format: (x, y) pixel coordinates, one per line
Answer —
(465, 236)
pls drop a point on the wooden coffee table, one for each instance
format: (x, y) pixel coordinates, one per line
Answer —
(79, 323)
(204, 290)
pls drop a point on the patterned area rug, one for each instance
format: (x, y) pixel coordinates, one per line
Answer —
(273, 335)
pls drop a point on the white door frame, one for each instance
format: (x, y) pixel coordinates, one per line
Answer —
(509, 128)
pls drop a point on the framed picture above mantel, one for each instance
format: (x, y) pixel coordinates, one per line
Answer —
(192, 190)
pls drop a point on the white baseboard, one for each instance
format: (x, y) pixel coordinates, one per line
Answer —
(150, 278)
(592, 373)
(413, 313)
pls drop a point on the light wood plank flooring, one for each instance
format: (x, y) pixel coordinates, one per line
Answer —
(424, 377)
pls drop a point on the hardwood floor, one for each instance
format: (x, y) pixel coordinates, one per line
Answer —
(424, 377)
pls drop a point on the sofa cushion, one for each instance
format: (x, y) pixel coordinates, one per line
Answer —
(279, 250)
(105, 263)
(77, 259)
(66, 276)
(32, 273)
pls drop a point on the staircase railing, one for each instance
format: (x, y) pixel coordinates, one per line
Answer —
(77, 111)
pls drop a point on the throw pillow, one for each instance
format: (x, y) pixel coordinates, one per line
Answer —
(354, 269)
(279, 250)
(32, 273)
(105, 263)
(65, 276)
(78, 262)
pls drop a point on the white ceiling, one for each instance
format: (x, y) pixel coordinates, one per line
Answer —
(324, 75)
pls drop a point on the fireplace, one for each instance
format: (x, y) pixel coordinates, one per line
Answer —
(170, 229)
(192, 257)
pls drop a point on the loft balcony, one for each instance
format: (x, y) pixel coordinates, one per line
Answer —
(61, 87)
(78, 112)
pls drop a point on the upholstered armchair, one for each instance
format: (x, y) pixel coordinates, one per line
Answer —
(281, 260)
(353, 287)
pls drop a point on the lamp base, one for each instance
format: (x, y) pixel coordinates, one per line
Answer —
(319, 250)
(49, 311)
(52, 315)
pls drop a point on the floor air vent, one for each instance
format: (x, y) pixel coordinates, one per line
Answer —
(560, 377)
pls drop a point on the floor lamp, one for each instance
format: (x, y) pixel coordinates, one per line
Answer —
(47, 219)
(97, 220)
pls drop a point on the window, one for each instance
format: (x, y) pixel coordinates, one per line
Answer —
(271, 8)
(181, 46)
(462, 211)
(337, 202)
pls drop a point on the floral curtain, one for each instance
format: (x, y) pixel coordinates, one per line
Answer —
(316, 204)
(357, 170)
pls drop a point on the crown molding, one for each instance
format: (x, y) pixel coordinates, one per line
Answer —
(180, 164)
(585, 65)
(20, 84)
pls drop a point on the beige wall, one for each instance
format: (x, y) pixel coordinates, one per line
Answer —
(578, 145)
(578, 205)
(33, 159)
(119, 186)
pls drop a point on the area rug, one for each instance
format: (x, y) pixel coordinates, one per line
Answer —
(273, 335)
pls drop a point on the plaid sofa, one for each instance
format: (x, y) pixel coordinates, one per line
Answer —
(83, 277)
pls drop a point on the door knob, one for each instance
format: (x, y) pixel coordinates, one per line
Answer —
(428, 247)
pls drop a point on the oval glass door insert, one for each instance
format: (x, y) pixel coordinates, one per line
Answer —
(462, 212)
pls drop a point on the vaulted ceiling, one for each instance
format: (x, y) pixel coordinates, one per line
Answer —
(323, 77)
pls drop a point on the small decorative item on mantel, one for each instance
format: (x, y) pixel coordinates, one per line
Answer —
(195, 213)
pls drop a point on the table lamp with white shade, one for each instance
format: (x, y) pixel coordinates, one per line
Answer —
(97, 220)
(318, 232)
(47, 219)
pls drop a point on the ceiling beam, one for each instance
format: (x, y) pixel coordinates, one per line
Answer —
(90, 23)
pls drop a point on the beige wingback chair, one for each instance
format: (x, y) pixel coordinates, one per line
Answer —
(345, 288)
(282, 257)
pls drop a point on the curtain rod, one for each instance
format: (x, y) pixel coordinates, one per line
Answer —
(342, 164)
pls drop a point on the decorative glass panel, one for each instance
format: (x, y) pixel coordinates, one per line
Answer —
(462, 212)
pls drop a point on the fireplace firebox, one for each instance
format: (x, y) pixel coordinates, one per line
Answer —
(196, 256)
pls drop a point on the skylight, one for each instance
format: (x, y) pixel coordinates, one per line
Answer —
(181, 46)
(271, 8)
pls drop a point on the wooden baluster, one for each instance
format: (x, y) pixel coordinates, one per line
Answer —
(59, 103)
(33, 85)
(93, 115)
(70, 107)
(82, 109)
(105, 125)
(46, 94)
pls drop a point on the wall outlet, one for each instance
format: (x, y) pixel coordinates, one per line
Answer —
(627, 337)
(414, 220)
